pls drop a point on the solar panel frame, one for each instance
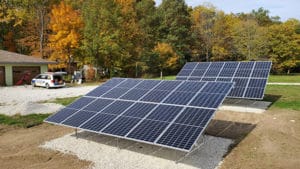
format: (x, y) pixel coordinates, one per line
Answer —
(171, 90)
(235, 70)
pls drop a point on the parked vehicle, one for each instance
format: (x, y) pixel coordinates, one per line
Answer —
(49, 80)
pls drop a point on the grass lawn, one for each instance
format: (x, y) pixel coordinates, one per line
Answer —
(23, 121)
(284, 97)
(284, 78)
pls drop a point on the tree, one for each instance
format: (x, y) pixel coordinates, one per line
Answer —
(175, 26)
(167, 57)
(284, 46)
(12, 17)
(223, 46)
(262, 17)
(65, 24)
(203, 19)
(249, 39)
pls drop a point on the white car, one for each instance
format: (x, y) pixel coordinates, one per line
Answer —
(49, 80)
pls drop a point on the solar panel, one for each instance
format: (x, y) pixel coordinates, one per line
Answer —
(171, 114)
(250, 77)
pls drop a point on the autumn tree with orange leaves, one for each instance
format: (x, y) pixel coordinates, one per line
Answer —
(65, 24)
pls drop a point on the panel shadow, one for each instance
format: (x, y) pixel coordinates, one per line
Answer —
(229, 129)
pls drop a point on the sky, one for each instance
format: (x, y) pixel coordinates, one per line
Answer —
(285, 9)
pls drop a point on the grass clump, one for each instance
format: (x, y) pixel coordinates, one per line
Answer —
(63, 101)
(26, 121)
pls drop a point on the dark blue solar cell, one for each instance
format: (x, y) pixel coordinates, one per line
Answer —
(190, 65)
(130, 83)
(181, 78)
(255, 93)
(216, 65)
(261, 73)
(212, 72)
(198, 72)
(180, 136)
(184, 72)
(134, 94)
(148, 130)
(195, 116)
(224, 79)
(202, 65)
(78, 118)
(167, 85)
(61, 115)
(98, 105)
(240, 82)
(139, 110)
(147, 84)
(113, 82)
(117, 107)
(237, 92)
(258, 83)
(227, 73)
(212, 87)
(99, 91)
(98, 122)
(194, 78)
(189, 86)
(180, 98)
(208, 79)
(155, 96)
(246, 65)
(80, 103)
(262, 65)
(115, 92)
(164, 113)
(243, 73)
(121, 126)
(231, 65)
(207, 100)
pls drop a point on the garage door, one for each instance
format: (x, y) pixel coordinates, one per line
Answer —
(2, 76)
(24, 74)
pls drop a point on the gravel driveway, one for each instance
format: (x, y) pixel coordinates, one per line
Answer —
(24, 100)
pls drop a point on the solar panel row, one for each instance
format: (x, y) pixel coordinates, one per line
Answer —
(167, 113)
(250, 77)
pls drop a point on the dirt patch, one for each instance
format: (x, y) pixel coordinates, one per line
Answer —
(19, 148)
(271, 142)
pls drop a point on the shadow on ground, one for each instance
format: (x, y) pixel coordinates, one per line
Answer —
(271, 98)
(235, 131)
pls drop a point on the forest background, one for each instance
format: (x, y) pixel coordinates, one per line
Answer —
(136, 38)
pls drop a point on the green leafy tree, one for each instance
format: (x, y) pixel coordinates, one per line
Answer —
(101, 43)
(175, 26)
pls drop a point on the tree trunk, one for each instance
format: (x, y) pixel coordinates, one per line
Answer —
(41, 31)
(161, 74)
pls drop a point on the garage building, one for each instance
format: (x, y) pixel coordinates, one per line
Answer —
(14, 67)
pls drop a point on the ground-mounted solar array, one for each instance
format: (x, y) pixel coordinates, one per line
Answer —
(250, 77)
(166, 113)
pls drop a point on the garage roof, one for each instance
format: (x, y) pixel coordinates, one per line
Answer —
(16, 58)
